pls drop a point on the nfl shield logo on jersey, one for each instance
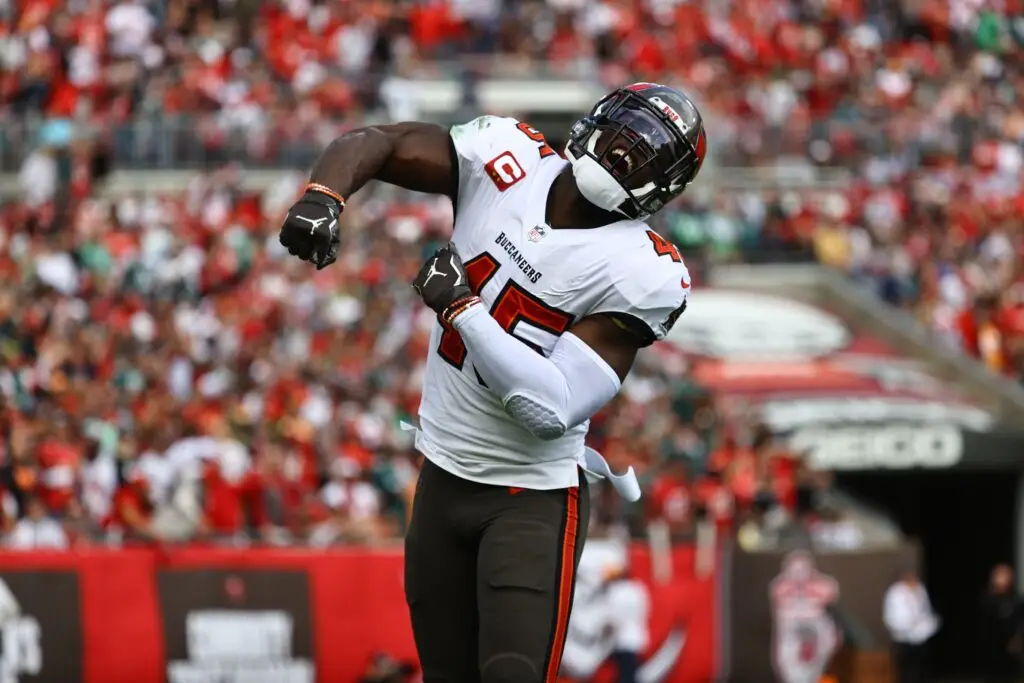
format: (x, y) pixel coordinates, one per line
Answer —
(537, 233)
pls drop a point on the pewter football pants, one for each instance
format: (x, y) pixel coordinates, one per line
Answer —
(489, 577)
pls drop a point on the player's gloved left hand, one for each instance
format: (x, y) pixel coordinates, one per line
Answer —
(442, 280)
(310, 229)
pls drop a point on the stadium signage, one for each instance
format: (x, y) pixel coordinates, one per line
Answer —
(729, 325)
(40, 630)
(788, 414)
(798, 603)
(896, 447)
(236, 626)
(20, 654)
(289, 615)
(231, 646)
(804, 635)
(840, 394)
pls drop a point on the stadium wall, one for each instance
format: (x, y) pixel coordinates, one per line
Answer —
(283, 615)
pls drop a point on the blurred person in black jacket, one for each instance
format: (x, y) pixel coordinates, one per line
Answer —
(1000, 629)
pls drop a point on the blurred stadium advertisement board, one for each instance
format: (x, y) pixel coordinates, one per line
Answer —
(234, 626)
(677, 618)
(839, 393)
(289, 615)
(788, 614)
(40, 635)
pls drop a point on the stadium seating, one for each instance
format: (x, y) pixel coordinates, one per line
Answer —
(168, 374)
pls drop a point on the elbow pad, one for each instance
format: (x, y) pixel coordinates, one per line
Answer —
(541, 420)
(580, 385)
(547, 396)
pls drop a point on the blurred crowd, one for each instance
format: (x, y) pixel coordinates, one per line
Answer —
(168, 374)
(917, 102)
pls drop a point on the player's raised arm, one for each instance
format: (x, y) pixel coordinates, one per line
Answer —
(416, 156)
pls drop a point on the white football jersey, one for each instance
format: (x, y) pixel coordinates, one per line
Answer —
(537, 282)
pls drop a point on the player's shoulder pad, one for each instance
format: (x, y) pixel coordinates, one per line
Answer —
(486, 137)
(480, 127)
(647, 282)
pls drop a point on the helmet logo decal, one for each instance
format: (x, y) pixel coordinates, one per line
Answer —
(675, 117)
(672, 114)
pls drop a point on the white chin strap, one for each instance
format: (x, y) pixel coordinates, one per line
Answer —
(596, 183)
(599, 186)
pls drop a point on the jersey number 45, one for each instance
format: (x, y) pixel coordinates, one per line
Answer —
(512, 305)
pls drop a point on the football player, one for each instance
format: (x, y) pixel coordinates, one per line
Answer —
(550, 285)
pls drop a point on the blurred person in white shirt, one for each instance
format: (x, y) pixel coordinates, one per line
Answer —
(630, 602)
(611, 620)
(36, 531)
(38, 177)
(911, 622)
(129, 25)
(399, 92)
(355, 505)
(349, 487)
(98, 480)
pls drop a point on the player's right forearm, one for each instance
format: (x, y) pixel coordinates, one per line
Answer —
(353, 160)
(546, 395)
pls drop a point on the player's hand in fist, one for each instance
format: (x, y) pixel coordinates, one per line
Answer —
(310, 229)
(442, 282)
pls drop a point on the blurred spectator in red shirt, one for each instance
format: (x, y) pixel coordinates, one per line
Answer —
(782, 478)
(222, 502)
(59, 461)
(671, 499)
(273, 494)
(132, 513)
(715, 500)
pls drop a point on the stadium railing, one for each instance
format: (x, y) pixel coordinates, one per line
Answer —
(201, 140)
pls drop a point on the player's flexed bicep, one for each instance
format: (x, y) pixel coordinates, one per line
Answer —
(487, 155)
(416, 156)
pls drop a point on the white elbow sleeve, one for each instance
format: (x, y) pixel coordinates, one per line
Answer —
(547, 396)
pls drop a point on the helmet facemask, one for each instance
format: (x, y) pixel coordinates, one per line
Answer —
(629, 156)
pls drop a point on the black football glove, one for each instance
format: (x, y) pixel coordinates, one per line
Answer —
(310, 229)
(442, 280)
